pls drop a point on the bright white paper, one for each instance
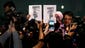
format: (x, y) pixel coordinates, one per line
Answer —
(48, 12)
(36, 12)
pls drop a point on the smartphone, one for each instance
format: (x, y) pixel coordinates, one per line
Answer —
(51, 25)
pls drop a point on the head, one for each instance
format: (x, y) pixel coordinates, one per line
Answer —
(9, 10)
(58, 15)
(68, 17)
(53, 40)
(9, 6)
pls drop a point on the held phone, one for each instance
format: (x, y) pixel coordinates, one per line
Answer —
(51, 25)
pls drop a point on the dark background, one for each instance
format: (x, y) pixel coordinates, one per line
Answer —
(77, 6)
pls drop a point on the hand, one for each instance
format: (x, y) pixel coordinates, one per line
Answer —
(74, 26)
(28, 16)
(12, 27)
(41, 34)
(40, 24)
(46, 29)
(21, 35)
(14, 19)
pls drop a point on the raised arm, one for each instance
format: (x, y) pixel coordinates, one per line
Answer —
(16, 39)
(4, 37)
(41, 38)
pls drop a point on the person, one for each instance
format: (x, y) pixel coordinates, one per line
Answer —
(9, 8)
(59, 26)
(4, 37)
(48, 40)
(70, 28)
(55, 38)
(30, 34)
(40, 43)
(10, 34)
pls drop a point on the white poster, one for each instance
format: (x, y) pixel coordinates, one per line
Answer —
(48, 13)
(36, 12)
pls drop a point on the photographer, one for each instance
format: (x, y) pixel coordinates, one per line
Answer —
(10, 38)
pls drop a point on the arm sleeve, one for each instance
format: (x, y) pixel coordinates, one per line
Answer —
(17, 41)
(4, 37)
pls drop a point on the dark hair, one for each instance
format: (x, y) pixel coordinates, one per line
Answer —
(54, 40)
(70, 13)
(9, 4)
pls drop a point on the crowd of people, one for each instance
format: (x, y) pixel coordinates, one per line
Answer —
(20, 32)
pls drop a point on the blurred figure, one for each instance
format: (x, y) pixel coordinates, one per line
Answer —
(70, 28)
(7, 34)
(82, 33)
(10, 37)
(9, 10)
(54, 39)
(31, 33)
(41, 36)
(59, 26)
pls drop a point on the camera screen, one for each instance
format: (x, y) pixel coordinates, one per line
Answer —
(51, 23)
